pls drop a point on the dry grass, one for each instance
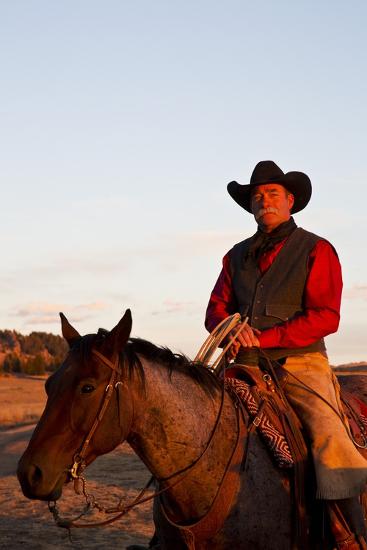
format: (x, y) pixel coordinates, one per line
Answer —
(22, 399)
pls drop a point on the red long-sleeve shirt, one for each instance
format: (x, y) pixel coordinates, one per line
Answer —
(322, 297)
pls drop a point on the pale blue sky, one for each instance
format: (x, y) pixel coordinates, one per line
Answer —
(121, 124)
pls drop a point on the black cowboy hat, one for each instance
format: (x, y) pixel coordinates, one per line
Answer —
(267, 171)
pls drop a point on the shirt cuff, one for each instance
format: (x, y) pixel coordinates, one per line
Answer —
(269, 339)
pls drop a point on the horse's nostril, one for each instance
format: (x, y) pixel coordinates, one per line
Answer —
(35, 475)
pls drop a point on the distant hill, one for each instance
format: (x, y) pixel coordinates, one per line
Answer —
(360, 366)
(35, 353)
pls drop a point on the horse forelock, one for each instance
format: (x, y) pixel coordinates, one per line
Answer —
(79, 354)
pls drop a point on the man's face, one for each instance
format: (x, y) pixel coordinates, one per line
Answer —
(271, 205)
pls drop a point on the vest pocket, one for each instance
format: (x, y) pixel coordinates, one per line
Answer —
(281, 311)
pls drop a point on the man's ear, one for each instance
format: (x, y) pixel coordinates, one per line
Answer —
(290, 201)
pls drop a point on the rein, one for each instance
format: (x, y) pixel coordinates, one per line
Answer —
(79, 465)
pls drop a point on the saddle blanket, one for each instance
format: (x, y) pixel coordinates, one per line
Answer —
(271, 435)
(271, 429)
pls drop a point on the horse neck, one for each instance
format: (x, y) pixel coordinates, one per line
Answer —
(172, 425)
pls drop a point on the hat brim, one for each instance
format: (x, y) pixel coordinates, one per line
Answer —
(297, 183)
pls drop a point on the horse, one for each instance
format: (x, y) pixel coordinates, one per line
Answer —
(188, 431)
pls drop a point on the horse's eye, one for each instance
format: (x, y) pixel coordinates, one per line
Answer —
(87, 388)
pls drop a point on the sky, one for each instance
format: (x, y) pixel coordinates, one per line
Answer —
(121, 123)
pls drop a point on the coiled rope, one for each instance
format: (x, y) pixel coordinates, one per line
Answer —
(216, 337)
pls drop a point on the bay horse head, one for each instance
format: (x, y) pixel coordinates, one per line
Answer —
(76, 425)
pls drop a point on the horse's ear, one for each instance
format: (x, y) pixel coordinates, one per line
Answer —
(119, 335)
(68, 332)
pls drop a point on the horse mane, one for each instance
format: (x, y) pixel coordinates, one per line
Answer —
(136, 347)
(172, 361)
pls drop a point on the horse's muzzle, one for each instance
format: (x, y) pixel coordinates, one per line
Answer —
(32, 481)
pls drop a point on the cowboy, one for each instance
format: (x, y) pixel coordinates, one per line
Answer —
(288, 282)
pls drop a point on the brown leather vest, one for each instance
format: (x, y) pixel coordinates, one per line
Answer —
(277, 295)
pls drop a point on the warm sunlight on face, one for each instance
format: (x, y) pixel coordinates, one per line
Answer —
(271, 205)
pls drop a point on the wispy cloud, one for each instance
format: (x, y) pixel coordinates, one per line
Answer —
(39, 313)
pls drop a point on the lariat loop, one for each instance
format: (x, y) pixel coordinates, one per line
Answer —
(217, 337)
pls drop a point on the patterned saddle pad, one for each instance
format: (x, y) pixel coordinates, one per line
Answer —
(267, 421)
(270, 430)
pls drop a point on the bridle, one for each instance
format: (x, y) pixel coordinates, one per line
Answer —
(115, 382)
(76, 470)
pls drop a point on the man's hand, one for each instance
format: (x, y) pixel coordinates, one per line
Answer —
(247, 338)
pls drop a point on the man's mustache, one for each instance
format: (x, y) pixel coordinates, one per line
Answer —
(263, 211)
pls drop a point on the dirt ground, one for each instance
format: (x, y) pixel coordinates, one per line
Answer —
(26, 524)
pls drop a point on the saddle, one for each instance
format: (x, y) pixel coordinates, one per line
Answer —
(265, 405)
